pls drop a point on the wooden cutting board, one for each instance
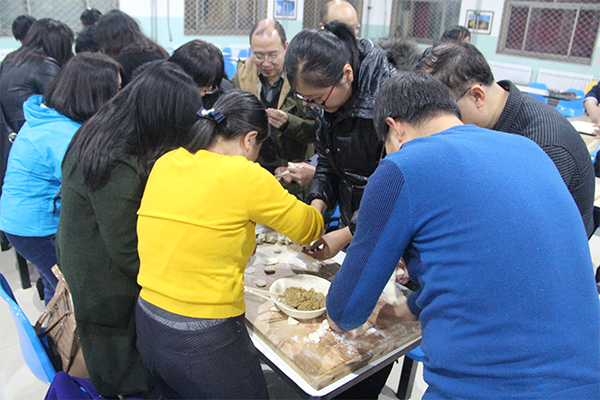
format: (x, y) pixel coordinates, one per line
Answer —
(335, 355)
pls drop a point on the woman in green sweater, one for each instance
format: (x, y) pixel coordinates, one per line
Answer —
(196, 232)
(104, 174)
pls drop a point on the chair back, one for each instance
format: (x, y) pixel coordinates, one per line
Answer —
(244, 53)
(539, 85)
(416, 354)
(230, 66)
(572, 108)
(32, 348)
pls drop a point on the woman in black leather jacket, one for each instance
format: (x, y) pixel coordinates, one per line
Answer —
(29, 70)
(339, 76)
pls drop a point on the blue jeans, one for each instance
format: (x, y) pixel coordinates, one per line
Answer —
(195, 358)
(41, 252)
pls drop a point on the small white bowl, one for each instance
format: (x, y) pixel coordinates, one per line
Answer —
(303, 281)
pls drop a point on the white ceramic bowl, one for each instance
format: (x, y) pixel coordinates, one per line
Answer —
(303, 281)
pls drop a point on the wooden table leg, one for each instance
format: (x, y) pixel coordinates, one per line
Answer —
(23, 271)
(407, 378)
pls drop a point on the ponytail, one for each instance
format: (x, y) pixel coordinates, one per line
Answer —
(348, 38)
(234, 114)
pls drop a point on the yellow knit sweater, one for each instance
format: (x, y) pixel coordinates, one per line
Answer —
(196, 230)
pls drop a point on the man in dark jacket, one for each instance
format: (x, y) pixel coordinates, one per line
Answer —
(501, 106)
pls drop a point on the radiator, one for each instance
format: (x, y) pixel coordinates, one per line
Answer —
(562, 80)
(518, 74)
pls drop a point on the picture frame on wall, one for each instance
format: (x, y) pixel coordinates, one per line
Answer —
(480, 21)
(285, 9)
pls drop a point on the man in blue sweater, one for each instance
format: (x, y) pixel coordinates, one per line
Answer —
(507, 300)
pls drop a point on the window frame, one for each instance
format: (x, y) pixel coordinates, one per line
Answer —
(259, 12)
(396, 23)
(552, 5)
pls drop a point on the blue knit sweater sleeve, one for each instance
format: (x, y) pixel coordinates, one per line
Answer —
(382, 233)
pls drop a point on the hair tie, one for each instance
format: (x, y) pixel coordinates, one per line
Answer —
(212, 114)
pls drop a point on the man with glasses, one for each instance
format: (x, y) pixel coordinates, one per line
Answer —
(263, 75)
(501, 106)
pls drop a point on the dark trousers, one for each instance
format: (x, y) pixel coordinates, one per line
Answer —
(195, 360)
(41, 252)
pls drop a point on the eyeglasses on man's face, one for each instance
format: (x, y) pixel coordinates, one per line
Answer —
(312, 102)
(272, 56)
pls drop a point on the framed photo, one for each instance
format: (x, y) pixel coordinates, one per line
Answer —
(480, 21)
(285, 9)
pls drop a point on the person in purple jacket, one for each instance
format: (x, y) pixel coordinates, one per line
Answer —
(486, 226)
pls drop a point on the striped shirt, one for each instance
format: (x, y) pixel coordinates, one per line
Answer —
(527, 116)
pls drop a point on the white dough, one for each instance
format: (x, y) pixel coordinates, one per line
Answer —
(324, 324)
(292, 321)
(274, 308)
(260, 282)
(250, 270)
(314, 337)
(277, 250)
(321, 332)
(269, 270)
(270, 260)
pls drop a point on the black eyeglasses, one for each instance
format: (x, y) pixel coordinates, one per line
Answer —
(314, 102)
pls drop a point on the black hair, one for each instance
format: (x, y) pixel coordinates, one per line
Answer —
(86, 41)
(90, 16)
(150, 116)
(414, 98)
(21, 25)
(46, 38)
(202, 61)
(317, 56)
(457, 65)
(243, 113)
(85, 83)
(456, 32)
(265, 26)
(325, 10)
(116, 33)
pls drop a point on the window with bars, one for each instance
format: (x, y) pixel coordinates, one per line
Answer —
(67, 11)
(561, 30)
(312, 12)
(424, 21)
(222, 17)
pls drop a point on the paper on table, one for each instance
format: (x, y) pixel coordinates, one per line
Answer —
(583, 127)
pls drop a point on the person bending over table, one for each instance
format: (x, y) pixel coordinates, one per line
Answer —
(104, 173)
(502, 107)
(485, 225)
(196, 232)
(339, 77)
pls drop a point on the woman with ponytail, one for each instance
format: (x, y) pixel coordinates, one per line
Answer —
(196, 232)
(103, 177)
(339, 76)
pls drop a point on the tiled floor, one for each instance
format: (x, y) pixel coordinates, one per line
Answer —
(18, 383)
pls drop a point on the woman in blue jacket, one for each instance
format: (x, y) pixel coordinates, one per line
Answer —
(30, 202)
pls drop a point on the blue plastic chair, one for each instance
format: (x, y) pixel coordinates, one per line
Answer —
(230, 66)
(539, 85)
(572, 108)
(408, 373)
(244, 53)
(416, 354)
(32, 348)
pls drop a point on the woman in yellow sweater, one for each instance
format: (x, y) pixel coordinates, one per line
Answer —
(195, 234)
